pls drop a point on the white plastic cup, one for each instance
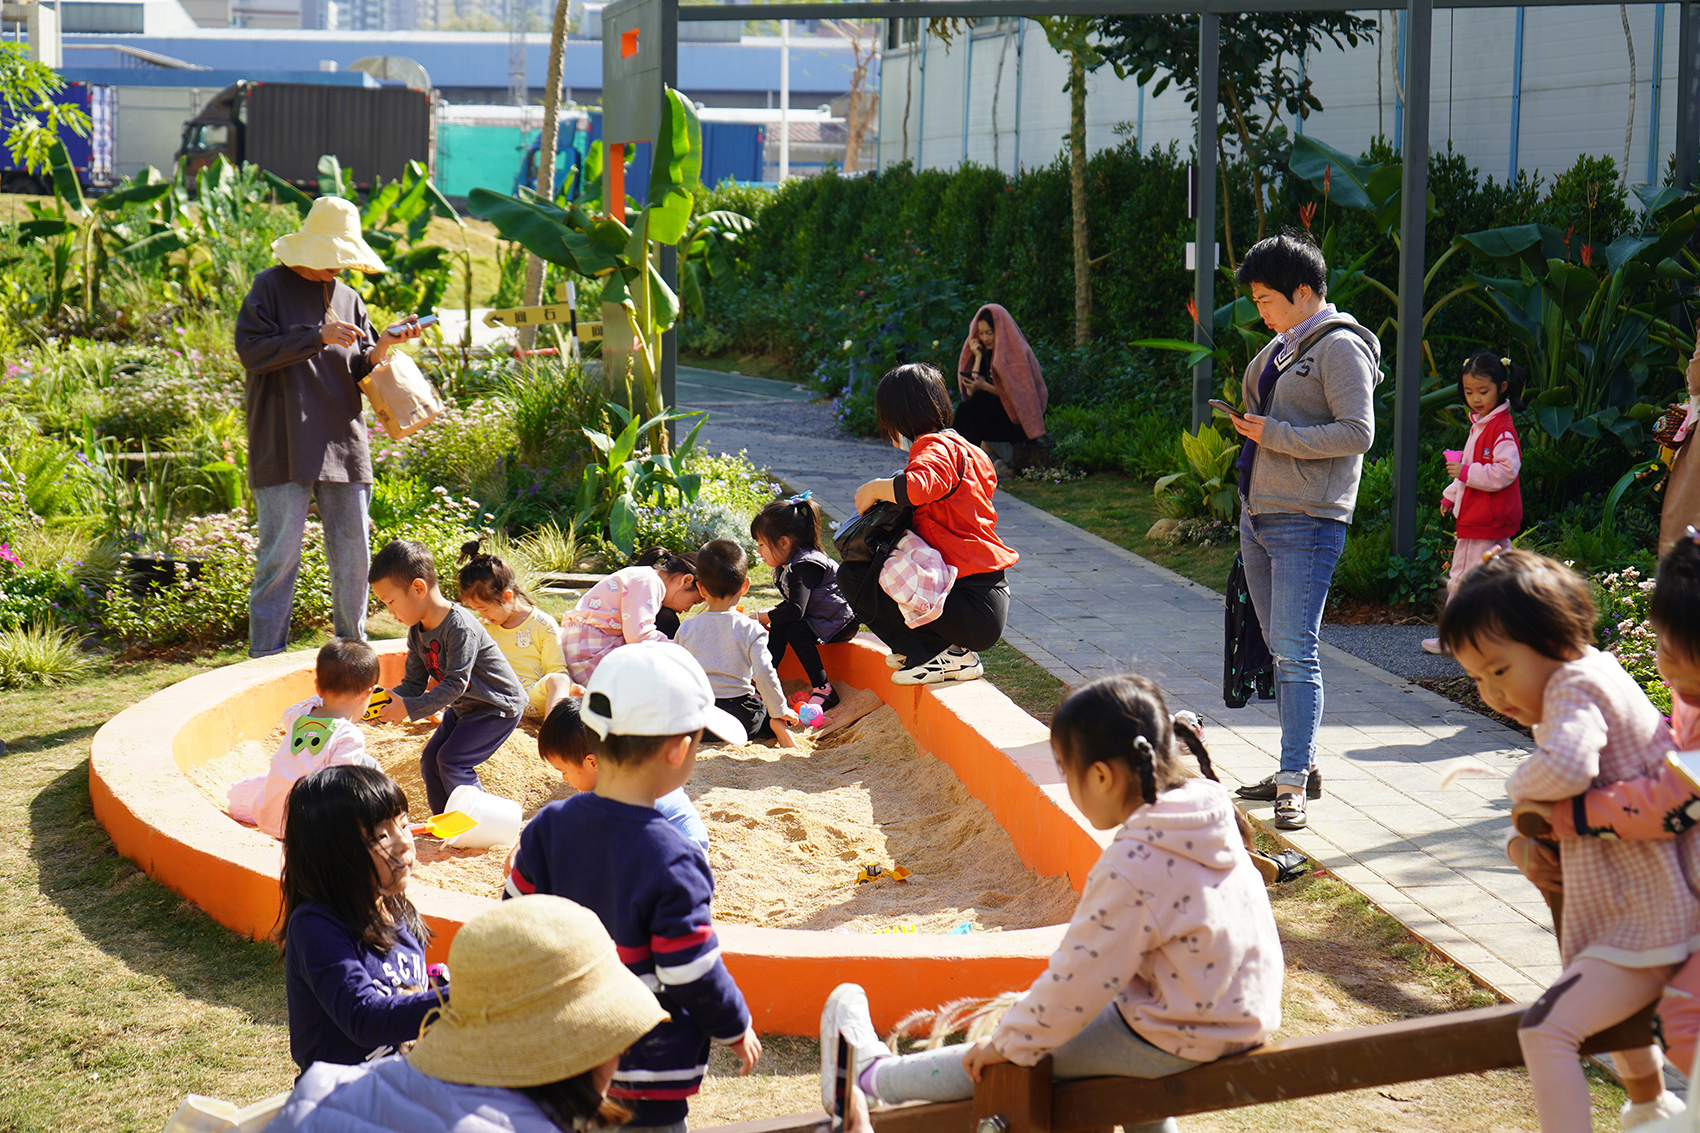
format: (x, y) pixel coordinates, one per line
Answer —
(498, 819)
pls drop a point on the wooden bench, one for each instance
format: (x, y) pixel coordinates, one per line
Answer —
(1025, 1100)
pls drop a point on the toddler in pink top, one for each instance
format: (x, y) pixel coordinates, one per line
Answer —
(319, 732)
(624, 608)
(1667, 804)
(1520, 625)
(1171, 959)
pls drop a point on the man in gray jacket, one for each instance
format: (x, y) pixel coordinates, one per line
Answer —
(1309, 421)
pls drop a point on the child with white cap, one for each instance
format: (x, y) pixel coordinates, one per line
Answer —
(646, 706)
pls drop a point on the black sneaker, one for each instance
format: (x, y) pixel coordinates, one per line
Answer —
(1264, 792)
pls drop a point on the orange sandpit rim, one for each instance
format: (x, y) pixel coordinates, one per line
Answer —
(158, 819)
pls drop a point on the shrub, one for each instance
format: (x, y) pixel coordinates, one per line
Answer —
(463, 450)
(1622, 598)
(212, 608)
(408, 509)
(40, 654)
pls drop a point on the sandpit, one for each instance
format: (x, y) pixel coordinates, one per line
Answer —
(788, 830)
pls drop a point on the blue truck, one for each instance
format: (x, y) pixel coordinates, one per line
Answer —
(91, 154)
(729, 150)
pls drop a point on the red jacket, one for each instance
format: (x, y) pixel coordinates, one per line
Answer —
(960, 524)
(1489, 513)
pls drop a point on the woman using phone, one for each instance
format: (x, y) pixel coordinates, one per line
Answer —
(1308, 422)
(1003, 390)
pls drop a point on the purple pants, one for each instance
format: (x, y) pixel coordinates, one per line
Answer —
(455, 750)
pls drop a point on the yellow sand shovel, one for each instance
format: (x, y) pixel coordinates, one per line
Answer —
(445, 826)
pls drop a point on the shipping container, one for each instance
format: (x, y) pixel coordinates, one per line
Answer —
(91, 154)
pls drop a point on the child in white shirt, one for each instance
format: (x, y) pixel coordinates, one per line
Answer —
(732, 647)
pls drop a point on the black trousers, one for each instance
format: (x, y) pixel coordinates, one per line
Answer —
(803, 642)
(748, 711)
(974, 613)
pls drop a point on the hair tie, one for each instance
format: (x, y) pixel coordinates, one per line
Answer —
(1693, 533)
(1488, 555)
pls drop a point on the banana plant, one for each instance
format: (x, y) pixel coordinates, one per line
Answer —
(706, 253)
(639, 306)
(1596, 341)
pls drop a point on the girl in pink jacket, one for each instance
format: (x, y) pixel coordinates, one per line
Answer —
(1484, 493)
(1171, 959)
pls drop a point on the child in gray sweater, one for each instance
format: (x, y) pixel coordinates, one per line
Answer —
(732, 647)
(476, 691)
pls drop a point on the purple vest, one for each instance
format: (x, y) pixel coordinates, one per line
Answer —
(828, 611)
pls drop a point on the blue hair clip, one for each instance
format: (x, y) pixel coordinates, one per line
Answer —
(801, 497)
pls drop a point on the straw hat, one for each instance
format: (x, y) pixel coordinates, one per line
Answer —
(329, 238)
(538, 995)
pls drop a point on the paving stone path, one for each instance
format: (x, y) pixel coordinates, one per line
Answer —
(1083, 607)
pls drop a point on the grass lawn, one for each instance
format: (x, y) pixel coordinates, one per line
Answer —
(1121, 510)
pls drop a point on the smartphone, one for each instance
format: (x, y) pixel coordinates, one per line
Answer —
(1218, 403)
(397, 328)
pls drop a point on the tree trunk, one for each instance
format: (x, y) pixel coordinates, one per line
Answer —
(544, 184)
(1077, 198)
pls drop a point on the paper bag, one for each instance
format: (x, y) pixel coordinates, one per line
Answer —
(401, 396)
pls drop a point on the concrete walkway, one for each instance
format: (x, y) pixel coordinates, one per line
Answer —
(1083, 607)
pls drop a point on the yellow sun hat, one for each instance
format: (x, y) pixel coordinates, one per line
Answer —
(329, 238)
(538, 994)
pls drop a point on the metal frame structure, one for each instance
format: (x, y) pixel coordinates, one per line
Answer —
(1419, 45)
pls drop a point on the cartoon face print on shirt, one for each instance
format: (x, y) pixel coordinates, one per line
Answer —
(522, 636)
(309, 735)
(434, 659)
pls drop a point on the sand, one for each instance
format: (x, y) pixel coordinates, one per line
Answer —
(788, 830)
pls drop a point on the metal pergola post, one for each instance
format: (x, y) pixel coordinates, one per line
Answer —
(669, 262)
(1204, 239)
(1687, 97)
(1413, 233)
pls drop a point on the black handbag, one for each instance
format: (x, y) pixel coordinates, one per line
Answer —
(870, 536)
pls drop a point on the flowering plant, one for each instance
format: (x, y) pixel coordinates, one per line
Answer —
(1623, 597)
(211, 607)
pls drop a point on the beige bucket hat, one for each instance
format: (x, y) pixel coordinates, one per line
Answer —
(538, 994)
(329, 238)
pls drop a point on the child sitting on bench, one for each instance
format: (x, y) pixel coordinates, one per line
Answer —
(1172, 958)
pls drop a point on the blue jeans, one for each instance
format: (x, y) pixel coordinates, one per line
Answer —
(1289, 562)
(282, 513)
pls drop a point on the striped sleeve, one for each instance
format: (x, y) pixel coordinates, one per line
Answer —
(685, 951)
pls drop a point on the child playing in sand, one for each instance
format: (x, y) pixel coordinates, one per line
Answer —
(813, 610)
(353, 944)
(319, 732)
(564, 744)
(476, 691)
(732, 648)
(613, 852)
(1172, 957)
(1661, 807)
(1521, 626)
(640, 603)
(527, 637)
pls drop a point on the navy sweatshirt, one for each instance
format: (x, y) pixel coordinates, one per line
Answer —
(652, 887)
(348, 1003)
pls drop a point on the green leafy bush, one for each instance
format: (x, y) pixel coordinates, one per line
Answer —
(463, 450)
(1622, 598)
(408, 508)
(212, 607)
(1205, 484)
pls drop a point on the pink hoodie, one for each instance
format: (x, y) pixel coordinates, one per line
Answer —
(1174, 925)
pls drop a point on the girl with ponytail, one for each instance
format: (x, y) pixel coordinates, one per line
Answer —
(813, 609)
(1171, 959)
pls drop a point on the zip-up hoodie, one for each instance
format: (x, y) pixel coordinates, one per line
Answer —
(1174, 926)
(1321, 421)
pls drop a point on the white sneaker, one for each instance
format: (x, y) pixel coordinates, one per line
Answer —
(895, 661)
(1665, 1105)
(952, 665)
(845, 1018)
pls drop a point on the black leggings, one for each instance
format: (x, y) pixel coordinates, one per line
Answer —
(973, 617)
(805, 645)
